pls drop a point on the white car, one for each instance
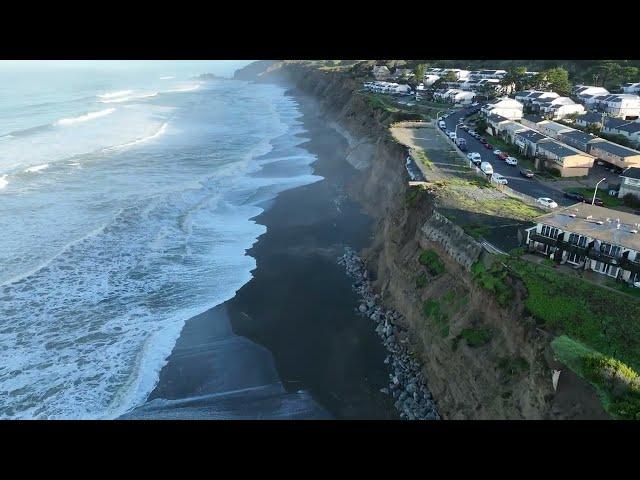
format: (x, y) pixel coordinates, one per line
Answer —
(496, 177)
(497, 152)
(513, 161)
(452, 135)
(474, 157)
(546, 202)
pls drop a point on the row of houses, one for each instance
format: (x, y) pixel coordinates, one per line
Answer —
(621, 105)
(611, 125)
(387, 87)
(454, 95)
(549, 104)
(590, 238)
(570, 151)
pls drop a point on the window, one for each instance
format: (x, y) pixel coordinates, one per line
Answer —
(576, 239)
(551, 232)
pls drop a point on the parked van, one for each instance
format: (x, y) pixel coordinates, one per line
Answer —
(486, 168)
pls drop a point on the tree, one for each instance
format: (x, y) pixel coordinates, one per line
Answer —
(449, 77)
(419, 71)
(557, 80)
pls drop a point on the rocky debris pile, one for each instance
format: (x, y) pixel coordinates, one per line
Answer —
(406, 386)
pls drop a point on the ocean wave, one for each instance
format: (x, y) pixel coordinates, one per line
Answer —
(120, 93)
(184, 89)
(85, 117)
(126, 98)
(37, 168)
(3, 181)
(138, 141)
(168, 77)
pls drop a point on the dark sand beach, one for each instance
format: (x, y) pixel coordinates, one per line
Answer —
(290, 343)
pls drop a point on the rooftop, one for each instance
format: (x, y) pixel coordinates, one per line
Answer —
(534, 118)
(578, 136)
(590, 117)
(631, 172)
(531, 135)
(616, 149)
(560, 149)
(586, 223)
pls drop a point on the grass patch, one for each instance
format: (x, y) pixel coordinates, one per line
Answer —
(430, 260)
(432, 310)
(616, 383)
(421, 281)
(476, 337)
(607, 200)
(476, 231)
(424, 159)
(512, 367)
(604, 320)
(493, 279)
(624, 288)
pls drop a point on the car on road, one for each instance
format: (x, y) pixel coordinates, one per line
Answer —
(496, 177)
(473, 133)
(513, 161)
(497, 152)
(546, 202)
(482, 140)
(452, 135)
(525, 172)
(442, 125)
(464, 127)
(488, 146)
(578, 197)
(503, 155)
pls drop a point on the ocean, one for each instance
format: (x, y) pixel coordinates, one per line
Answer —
(127, 193)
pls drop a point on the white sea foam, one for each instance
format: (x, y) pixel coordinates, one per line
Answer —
(85, 334)
(120, 93)
(127, 98)
(160, 131)
(86, 117)
(37, 168)
(184, 89)
(168, 77)
(3, 181)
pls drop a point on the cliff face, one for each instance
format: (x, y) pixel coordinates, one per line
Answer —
(507, 375)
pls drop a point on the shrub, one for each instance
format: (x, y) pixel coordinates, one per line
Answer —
(476, 337)
(493, 280)
(421, 280)
(432, 262)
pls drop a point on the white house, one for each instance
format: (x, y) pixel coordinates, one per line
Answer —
(380, 72)
(505, 107)
(623, 105)
(429, 79)
(630, 130)
(630, 182)
(560, 107)
(631, 87)
(590, 238)
(582, 91)
(527, 97)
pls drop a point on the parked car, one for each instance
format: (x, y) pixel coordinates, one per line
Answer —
(578, 197)
(486, 168)
(483, 140)
(496, 177)
(503, 155)
(488, 146)
(474, 157)
(452, 135)
(525, 172)
(442, 124)
(497, 152)
(513, 161)
(547, 202)
(598, 201)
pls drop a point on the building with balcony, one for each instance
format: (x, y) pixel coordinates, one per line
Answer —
(590, 238)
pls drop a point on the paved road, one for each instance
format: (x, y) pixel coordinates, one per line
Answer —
(517, 182)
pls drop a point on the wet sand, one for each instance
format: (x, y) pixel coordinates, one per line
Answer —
(289, 344)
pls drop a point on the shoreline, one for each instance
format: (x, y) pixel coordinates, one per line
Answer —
(291, 335)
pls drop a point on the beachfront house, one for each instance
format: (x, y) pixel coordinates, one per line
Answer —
(568, 161)
(505, 107)
(630, 182)
(589, 237)
(621, 157)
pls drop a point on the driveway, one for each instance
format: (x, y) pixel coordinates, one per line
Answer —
(517, 182)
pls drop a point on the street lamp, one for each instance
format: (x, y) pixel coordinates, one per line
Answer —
(596, 191)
